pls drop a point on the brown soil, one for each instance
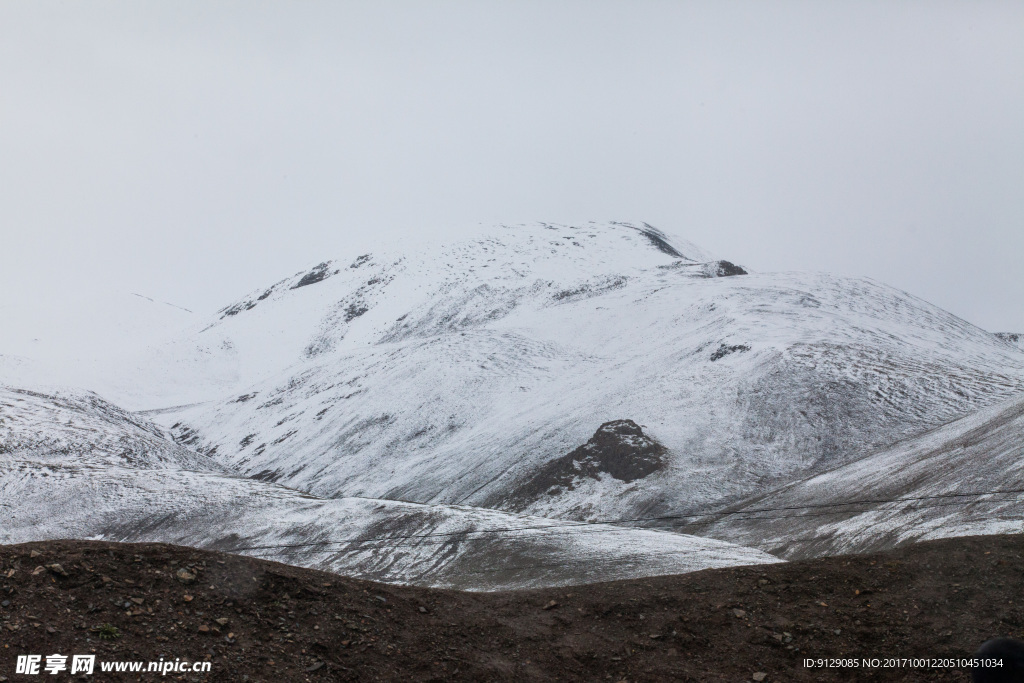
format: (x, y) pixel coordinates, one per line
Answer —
(281, 623)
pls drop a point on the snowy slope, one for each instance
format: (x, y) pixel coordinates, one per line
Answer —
(933, 480)
(73, 426)
(1015, 339)
(455, 374)
(354, 304)
(74, 466)
(441, 546)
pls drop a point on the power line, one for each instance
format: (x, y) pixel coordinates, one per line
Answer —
(868, 501)
(364, 543)
(389, 541)
(917, 507)
(627, 520)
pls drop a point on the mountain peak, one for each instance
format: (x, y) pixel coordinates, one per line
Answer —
(507, 255)
(596, 234)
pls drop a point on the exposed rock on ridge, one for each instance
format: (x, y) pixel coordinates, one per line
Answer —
(618, 448)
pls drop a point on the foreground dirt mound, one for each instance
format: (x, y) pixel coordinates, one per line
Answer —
(261, 621)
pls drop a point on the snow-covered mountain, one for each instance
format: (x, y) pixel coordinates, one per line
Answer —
(962, 479)
(74, 466)
(459, 374)
(462, 415)
(79, 427)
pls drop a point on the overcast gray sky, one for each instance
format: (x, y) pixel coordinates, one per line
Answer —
(193, 151)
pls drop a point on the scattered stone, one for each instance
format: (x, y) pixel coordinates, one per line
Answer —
(38, 570)
(186, 598)
(57, 569)
(185, 576)
(550, 605)
(34, 554)
(204, 629)
(138, 601)
(223, 621)
(738, 613)
(423, 610)
(758, 676)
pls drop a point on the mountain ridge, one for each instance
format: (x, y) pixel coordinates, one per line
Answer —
(453, 387)
(579, 381)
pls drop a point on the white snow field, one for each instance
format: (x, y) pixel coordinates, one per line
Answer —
(537, 375)
(73, 466)
(965, 478)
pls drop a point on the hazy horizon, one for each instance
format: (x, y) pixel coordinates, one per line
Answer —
(192, 152)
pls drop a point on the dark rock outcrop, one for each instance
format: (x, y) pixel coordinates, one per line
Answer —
(1012, 338)
(725, 349)
(618, 448)
(317, 274)
(728, 268)
(659, 241)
